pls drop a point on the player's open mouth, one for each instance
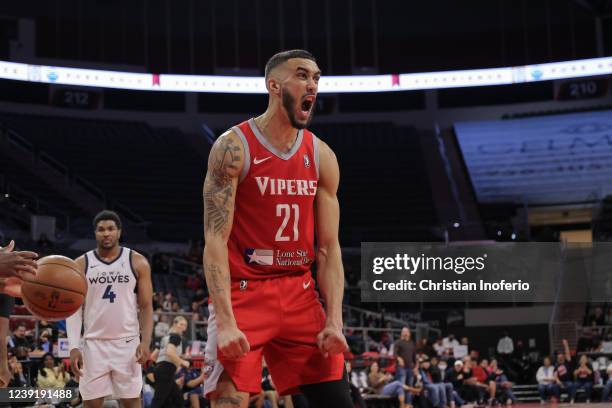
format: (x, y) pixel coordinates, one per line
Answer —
(307, 103)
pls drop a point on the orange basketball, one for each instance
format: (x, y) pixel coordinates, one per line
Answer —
(56, 291)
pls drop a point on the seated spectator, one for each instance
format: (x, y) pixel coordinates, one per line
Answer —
(162, 326)
(16, 368)
(194, 386)
(356, 385)
(49, 327)
(158, 300)
(439, 348)
(470, 367)
(199, 303)
(547, 381)
(437, 392)
(460, 377)
(583, 375)
(504, 386)
(605, 396)
(167, 303)
(386, 339)
(176, 308)
(383, 384)
(565, 371)
(51, 375)
(486, 383)
(19, 339)
(44, 343)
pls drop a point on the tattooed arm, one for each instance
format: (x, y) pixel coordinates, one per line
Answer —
(224, 166)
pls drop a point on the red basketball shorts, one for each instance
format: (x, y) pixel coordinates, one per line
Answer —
(281, 318)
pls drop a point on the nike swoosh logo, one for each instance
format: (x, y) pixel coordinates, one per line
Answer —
(255, 161)
(306, 284)
(93, 266)
(127, 341)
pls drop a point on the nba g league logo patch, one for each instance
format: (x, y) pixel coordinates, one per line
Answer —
(306, 161)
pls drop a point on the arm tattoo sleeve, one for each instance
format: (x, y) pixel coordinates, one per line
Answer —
(218, 188)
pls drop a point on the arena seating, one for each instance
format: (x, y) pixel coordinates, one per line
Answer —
(128, 161)
(131, 160)
(374, 205)
(26, 189)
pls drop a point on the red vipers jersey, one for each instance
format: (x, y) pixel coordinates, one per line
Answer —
(273, 230)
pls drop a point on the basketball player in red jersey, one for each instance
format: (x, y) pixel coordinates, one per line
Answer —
(270, 185)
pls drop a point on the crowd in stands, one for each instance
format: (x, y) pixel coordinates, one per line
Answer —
(448, 373)
(571, 374)
(445, 373)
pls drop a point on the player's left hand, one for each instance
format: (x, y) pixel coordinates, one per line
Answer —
(143, 352)
(331, 341)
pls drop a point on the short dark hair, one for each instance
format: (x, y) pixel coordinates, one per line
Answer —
(279, 58)
(107, 215)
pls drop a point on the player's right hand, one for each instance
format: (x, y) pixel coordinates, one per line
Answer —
(232, 343)
(76, 363)
(13, 264)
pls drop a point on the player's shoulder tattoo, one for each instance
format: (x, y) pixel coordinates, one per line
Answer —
(224, 166)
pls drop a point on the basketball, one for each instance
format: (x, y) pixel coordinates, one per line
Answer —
(56, 291)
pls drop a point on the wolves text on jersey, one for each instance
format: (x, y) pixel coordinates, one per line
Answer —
(105, 278)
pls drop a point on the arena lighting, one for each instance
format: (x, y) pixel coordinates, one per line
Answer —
(328, 84)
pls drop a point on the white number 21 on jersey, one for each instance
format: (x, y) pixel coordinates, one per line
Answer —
(284, 210)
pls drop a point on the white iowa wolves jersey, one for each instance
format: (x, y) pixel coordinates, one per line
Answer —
(111, 305)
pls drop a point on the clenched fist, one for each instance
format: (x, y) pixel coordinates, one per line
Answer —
(232, 343)
(331, 341)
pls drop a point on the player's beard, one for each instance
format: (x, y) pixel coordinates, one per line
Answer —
(108, 246)
(290, 106)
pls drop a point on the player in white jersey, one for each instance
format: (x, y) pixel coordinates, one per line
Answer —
(116, 319)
